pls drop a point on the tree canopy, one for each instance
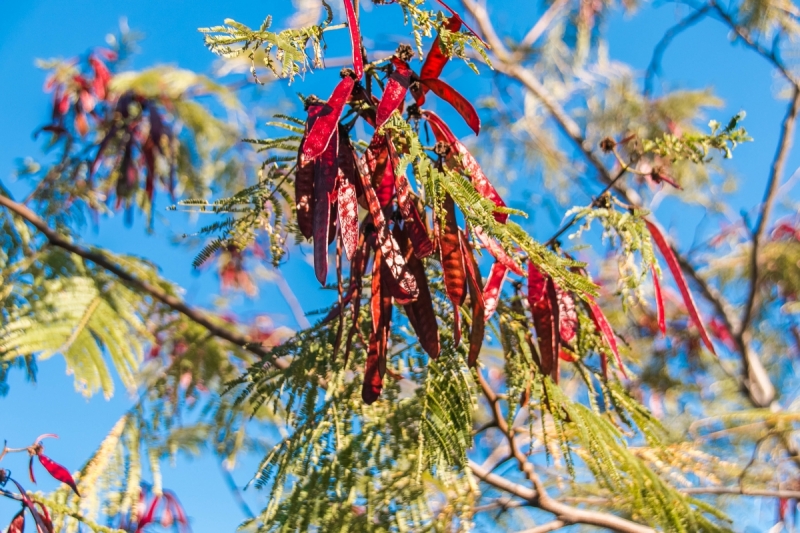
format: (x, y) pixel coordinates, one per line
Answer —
(480, 358)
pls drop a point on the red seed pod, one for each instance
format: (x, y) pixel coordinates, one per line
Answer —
(347, 164)
(541, 300)
(58, 472)
(420, 312)
(381, 309)
(498, 252)
(355, 38)
(455, 99)
(384, 240)
(385, 188)
(17, 523)
(464, 160)
(412, 220)
(348, 216)
(567, 316)
(607, 332)
(680, 280)
(436, 59)
(451, 255)
(662, 321)
(321, 133)
(493, 288)
(395, 92)
(42, 525)
(325, 172)
(304, 179)
(477, 303)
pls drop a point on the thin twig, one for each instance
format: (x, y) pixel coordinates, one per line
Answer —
(546, 528)
(542, 24)
(654, 68)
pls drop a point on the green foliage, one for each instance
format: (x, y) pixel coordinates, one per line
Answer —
(695, 147)
(284, 53)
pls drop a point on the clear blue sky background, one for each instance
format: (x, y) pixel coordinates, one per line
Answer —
(702, 57)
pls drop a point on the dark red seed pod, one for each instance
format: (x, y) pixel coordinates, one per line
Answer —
(493, 288)
(680, 280)
(541, 300)
(662, 321)
(394, 93)
(323, 129)
(420, 312)
(477, 303)
(607, 332)
(457, 100)
(436, 59)
(355, 38)
(325, 173)
(452, 258)
(381, 309)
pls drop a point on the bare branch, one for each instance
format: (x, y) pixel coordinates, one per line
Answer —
(542, 24)
(545, 528)
(654, 68)
(155, 292)
(776, 172)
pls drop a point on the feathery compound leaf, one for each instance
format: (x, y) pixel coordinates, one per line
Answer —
(680, 280)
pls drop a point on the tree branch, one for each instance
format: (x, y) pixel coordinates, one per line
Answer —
(654, 68)
(541, 25)
(776, 172)
(155, 292)
(546, 528)
(564, 513)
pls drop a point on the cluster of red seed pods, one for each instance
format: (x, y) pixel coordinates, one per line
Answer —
(332, 180)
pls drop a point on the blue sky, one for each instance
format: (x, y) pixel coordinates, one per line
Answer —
(702, 57)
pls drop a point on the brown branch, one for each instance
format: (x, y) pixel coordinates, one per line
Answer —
(776, 172)
(538, 497)
(155, 292)
(541, 25)
(751, 43)
(743, 491)
(565, 513)
(546, 528)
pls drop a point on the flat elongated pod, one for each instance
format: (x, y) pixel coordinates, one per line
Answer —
(455, 99)
(540, 299)
(680, 280)
(436, 59)
(355, 38)
(395, 92)
(321, 133)
(420, 312)
(493, 288)
(478, 326)
(325, 174)
(452, 258)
